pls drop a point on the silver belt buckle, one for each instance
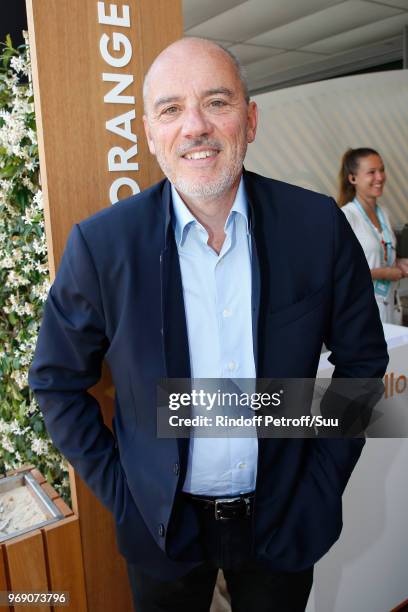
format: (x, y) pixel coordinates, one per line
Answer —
(229, 500)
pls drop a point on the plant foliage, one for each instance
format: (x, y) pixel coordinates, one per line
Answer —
(24, 275)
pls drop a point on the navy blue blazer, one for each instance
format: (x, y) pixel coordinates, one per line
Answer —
(118, 296)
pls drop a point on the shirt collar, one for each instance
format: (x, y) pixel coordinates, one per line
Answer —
(183, 218)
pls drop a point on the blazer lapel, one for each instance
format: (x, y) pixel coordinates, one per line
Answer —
(174, 326)
(256, 275)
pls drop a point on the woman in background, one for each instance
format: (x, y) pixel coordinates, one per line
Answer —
(362, 178)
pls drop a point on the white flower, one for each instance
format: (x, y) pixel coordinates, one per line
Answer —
(30, 214)
(27, 268)
(18, 64)
(27, 182)
(6, 262)
(26, 359)
(20, 376)
(38, 199)
(4, 426)
(6, 185)
(16, 280)
(40, 247)
(40, 447)
(6, 444)
(16, 429)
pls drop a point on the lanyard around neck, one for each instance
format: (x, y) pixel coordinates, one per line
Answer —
(386, 240)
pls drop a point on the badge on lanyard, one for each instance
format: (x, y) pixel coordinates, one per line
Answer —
(381, 287)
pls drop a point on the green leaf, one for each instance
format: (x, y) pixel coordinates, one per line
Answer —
(12, 318)
(8, 171)
(38, 426)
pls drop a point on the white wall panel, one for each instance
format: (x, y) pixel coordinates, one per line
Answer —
(305, 130)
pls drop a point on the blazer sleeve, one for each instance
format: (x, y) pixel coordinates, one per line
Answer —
(67, 362)
(355, 334)
(358, 351)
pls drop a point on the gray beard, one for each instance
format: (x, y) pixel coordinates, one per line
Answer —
(209, 189)
(205, 190)
(212, 189)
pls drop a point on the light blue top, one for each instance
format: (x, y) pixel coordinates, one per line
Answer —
(217, 298)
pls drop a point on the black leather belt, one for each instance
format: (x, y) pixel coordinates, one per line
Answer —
(225, 508)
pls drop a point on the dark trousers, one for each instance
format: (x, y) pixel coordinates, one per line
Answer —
(228, 545)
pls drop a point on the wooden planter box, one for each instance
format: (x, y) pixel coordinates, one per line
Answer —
(45, 559)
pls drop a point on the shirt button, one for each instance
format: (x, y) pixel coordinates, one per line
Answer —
(231, 366)
(176, 469)
(226, 312)
(162, 530)
(242, 465)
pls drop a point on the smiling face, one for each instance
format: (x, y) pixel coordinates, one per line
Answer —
(197, 121)
(370, 178)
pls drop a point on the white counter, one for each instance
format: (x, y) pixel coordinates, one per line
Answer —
(367, 569)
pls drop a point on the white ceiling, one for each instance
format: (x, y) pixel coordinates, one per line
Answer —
(286, 42)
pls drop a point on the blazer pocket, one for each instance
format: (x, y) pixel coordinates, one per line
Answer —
(311, 524)
(295, 311)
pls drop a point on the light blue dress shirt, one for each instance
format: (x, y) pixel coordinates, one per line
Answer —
(217, 298)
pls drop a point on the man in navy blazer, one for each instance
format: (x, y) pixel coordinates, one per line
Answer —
(123, 294)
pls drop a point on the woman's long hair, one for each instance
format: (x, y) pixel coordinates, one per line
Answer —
(349, 165)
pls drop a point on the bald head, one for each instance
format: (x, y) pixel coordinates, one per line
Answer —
(185, 50)
(198, 120)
